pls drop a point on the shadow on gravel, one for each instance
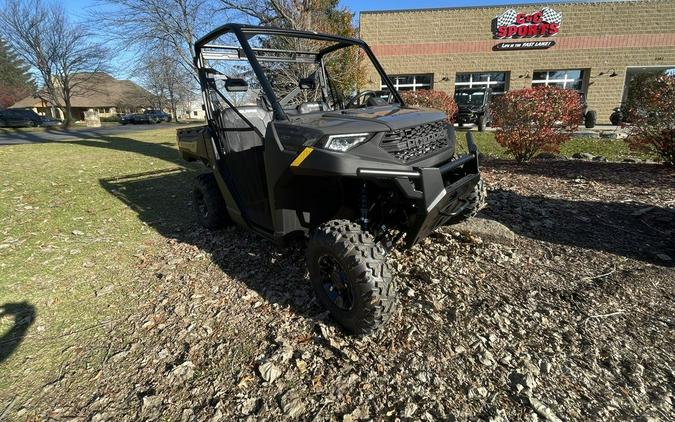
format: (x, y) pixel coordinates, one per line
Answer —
(24, 315)
(162, 199)
(620, 174)
(633, 230)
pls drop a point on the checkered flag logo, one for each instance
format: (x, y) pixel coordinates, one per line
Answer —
(551, 16)
(507, 18)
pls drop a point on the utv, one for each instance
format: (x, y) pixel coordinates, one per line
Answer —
(473, 106)
(294, 151)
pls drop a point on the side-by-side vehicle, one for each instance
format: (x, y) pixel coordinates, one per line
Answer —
(296, 149)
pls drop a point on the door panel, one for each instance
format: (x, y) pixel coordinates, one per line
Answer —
(247, 171)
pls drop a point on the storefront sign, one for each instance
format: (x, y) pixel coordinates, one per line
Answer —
(523, 45)
(511, 24)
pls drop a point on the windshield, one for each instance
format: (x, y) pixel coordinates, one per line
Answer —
(469, 98)
(304, 74)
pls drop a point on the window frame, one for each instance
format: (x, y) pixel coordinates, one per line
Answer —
(565, 80)
(414, 85)
(480, 84)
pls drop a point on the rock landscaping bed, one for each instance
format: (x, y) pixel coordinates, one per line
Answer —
(558, 306)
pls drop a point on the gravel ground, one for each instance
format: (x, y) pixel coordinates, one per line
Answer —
(571, 321)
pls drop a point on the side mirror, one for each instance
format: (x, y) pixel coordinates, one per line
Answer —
(307, 83)
(236, 85)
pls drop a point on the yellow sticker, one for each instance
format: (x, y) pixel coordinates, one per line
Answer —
(301, 157)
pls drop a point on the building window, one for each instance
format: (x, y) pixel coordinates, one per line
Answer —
(410, 82)
(495, 80)
(566, 79)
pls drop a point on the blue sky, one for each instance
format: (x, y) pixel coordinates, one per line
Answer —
(361, 5)
(79, 10)
(77, 6)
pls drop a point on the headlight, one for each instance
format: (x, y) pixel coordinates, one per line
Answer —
(344, 143)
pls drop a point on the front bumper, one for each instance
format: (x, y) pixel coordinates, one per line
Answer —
(436, 188)
(438, 193)
(466, 117)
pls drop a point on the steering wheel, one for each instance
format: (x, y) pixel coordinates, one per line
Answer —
(367, 96)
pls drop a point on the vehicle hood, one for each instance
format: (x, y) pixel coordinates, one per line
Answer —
(468, 109)
(368, 120)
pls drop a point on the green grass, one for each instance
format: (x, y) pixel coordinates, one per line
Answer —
(612, 149)
(69, 245)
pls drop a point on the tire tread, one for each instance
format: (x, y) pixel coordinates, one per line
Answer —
(365, 261)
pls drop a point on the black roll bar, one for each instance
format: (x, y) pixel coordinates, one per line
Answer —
(242, 33)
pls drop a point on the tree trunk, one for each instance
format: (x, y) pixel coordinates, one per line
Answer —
(172, 100)
(69, 114)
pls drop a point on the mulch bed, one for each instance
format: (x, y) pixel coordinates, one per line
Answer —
(573, 321)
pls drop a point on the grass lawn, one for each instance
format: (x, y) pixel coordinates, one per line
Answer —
(8, 130)
(612, 149)
(76, 126)
(69, 246)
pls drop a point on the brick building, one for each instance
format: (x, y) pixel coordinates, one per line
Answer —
(593, 47)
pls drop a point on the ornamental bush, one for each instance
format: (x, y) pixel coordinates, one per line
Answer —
(651, 112)
(533, 120)
(432, 99)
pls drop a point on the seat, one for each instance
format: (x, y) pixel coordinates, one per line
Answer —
(311, 107)
(239, 136)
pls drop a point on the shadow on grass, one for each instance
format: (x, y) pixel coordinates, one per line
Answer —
(163, 200)
(163, 151)
(61, 135)
(24, 315)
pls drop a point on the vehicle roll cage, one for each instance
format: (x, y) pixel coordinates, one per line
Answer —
(204, 51)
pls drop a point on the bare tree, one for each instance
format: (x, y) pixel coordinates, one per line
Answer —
(345, 66)
(65, 55)
(157, 24)
(292, 14)
(165, 78)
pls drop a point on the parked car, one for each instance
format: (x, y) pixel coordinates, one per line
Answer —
(127, 118)
(147, 117)
(158, 114)
(473, 106)
(46, 121)
(18, 117)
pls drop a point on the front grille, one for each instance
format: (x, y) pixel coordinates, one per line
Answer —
(413, 143)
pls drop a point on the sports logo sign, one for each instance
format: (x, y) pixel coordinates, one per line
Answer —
(542, 23)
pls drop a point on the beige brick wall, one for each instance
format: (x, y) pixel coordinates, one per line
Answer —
(594, 36)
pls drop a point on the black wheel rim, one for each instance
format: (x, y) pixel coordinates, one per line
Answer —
(335, 283)
(201, 205)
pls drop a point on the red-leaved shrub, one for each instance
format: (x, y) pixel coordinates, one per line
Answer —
(651, 111)
(533, 120)
(431, 99)
(10, 94)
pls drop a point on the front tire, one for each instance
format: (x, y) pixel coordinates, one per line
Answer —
(481, 123)
(616, 118)
(350, 276)
(590, 119)
(477, 201)
(208, 202)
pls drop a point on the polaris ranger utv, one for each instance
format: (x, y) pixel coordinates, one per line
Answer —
(295, 151)
(473, 106)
